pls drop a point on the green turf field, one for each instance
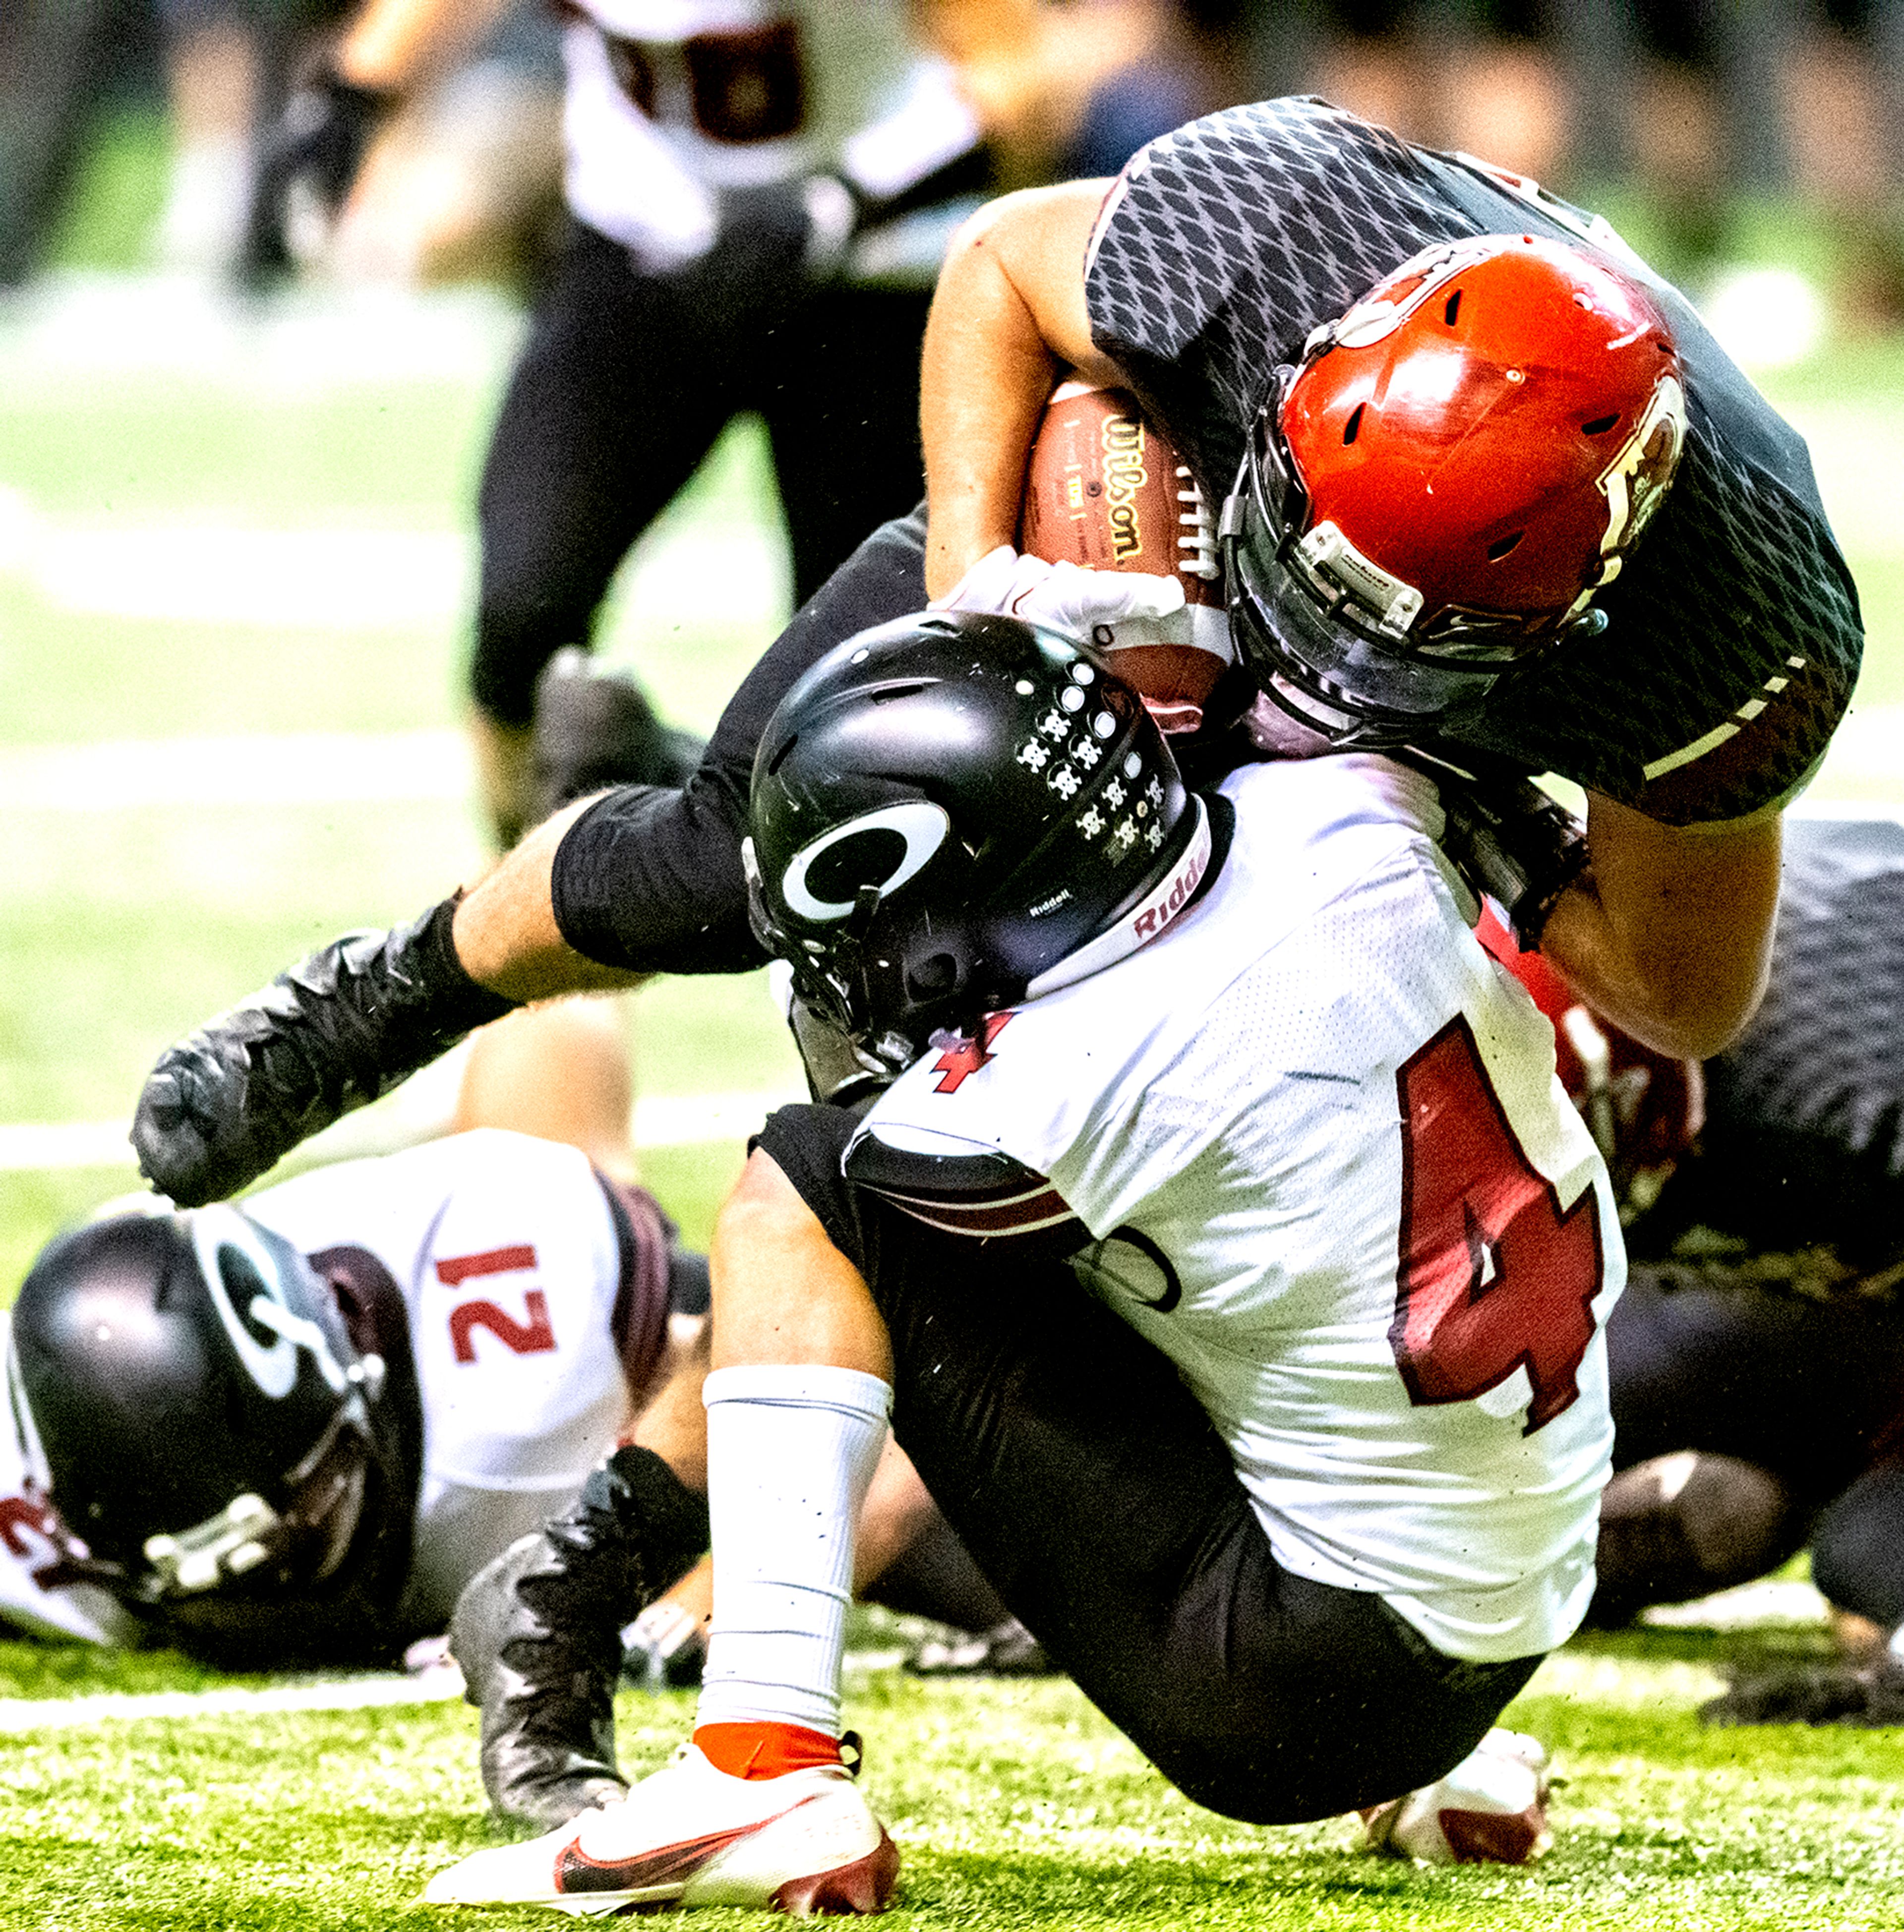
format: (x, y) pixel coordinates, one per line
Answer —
(204, 536)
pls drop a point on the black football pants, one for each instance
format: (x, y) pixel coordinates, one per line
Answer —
(1101, 1504)
(1811, 1390)
(625, 382)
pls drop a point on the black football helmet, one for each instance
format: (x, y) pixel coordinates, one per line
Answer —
(955, 811)
(190, 1399)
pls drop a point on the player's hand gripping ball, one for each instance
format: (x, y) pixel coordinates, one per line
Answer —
(1106, 490)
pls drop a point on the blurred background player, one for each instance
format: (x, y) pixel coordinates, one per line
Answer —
(733, 179)
(758, 200)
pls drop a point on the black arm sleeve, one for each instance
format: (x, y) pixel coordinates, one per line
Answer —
(650, 879)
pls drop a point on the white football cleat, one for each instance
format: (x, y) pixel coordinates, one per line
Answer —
(1491, 1809)
(689, 1834)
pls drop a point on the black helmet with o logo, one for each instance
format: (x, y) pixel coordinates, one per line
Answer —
(953, 812)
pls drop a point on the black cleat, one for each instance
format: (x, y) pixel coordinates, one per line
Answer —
(537, 1634)
(1867, 1696)
(594, 729)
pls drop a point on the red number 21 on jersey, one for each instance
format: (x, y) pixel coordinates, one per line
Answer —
(1494, 1275)
(533, 1336)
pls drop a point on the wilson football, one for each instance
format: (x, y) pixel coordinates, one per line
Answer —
(1104, 488)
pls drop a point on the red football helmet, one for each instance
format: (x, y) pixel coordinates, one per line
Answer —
(1459, 464)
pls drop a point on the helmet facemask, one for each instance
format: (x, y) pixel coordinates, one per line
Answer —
(204, 1351)
(1335, 639)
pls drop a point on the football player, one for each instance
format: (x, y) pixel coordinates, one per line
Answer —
(1757, 1358)
(293, 1429)
(500, 1303)
(1375, 354)
(1184, 1074)
(719, 160)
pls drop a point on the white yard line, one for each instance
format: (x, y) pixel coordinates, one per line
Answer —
(307, 341)
(372, 1690)
(1750, 1606)
(330, 579)
(348, 1693)
(1631, 1683)
(296, 768)
(661, 1120)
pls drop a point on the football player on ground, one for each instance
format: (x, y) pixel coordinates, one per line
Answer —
(739, 180)
(294, 1429)
(1183, 1074)
(1756, 1360)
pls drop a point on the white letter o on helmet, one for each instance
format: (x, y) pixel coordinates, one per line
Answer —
(923, 826)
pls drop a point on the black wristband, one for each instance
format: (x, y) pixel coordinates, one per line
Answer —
(457, 999)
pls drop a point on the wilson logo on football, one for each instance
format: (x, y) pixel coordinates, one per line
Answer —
(1125, 476)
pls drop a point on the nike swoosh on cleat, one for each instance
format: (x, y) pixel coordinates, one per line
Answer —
(666, 1864)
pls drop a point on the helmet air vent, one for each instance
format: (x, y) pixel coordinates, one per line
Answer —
(1453, 309)
(1599, 425)
(1505, 546)
(1353, 427)
(930, 977)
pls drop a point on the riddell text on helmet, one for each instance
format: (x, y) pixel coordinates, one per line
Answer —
(1150, 919)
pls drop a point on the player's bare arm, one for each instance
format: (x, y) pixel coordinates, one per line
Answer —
(1669, 932)
(1009, 312)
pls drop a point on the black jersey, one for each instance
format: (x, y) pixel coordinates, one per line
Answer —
(1733, 635)
(1804, 1137)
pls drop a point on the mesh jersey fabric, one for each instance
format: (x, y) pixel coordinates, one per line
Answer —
(1734, 634)
(1803, 1141)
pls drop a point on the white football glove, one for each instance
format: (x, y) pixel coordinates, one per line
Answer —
(1062, 597)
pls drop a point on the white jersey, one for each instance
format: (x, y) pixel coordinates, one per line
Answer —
(509, 1261)
(668, 102)
(1316, 1132)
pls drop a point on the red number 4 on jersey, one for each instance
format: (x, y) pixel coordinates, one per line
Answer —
(1494, 1275)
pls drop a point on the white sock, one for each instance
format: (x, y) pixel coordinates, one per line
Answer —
(791, 1453)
